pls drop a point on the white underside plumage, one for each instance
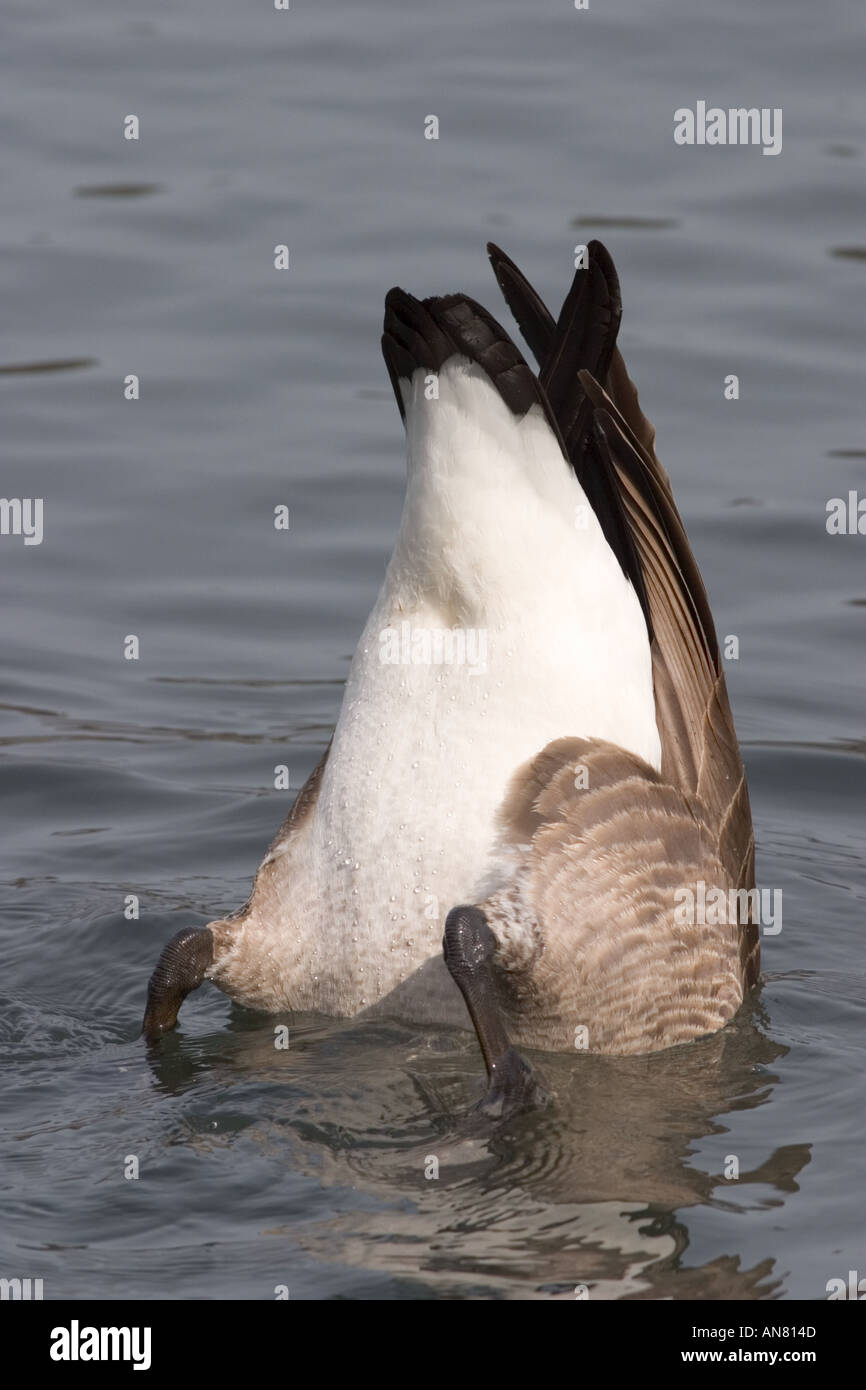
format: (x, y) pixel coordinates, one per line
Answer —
(497, 539)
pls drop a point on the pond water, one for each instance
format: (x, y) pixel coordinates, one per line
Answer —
(155, 777)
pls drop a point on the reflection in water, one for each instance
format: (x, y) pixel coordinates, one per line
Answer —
(593, 1191)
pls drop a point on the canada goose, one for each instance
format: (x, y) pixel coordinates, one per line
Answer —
(566, 789)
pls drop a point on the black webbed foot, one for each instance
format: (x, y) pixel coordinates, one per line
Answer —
(514, 1087)
(469, 947)
(179, 970)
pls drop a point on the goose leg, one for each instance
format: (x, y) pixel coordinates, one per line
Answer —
(179, 970)
(469, 946)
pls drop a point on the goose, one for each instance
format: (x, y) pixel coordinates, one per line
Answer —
(552, 791)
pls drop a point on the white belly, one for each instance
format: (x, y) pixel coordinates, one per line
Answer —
(496, 537)
(422, 755)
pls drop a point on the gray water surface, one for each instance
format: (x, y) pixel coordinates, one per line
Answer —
(306, 1168)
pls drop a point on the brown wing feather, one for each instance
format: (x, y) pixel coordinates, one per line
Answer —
(700, 751)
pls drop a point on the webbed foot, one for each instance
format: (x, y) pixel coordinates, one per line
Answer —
(469, 947)
(179, 970)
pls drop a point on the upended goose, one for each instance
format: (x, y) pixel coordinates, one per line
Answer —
(535, 745)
